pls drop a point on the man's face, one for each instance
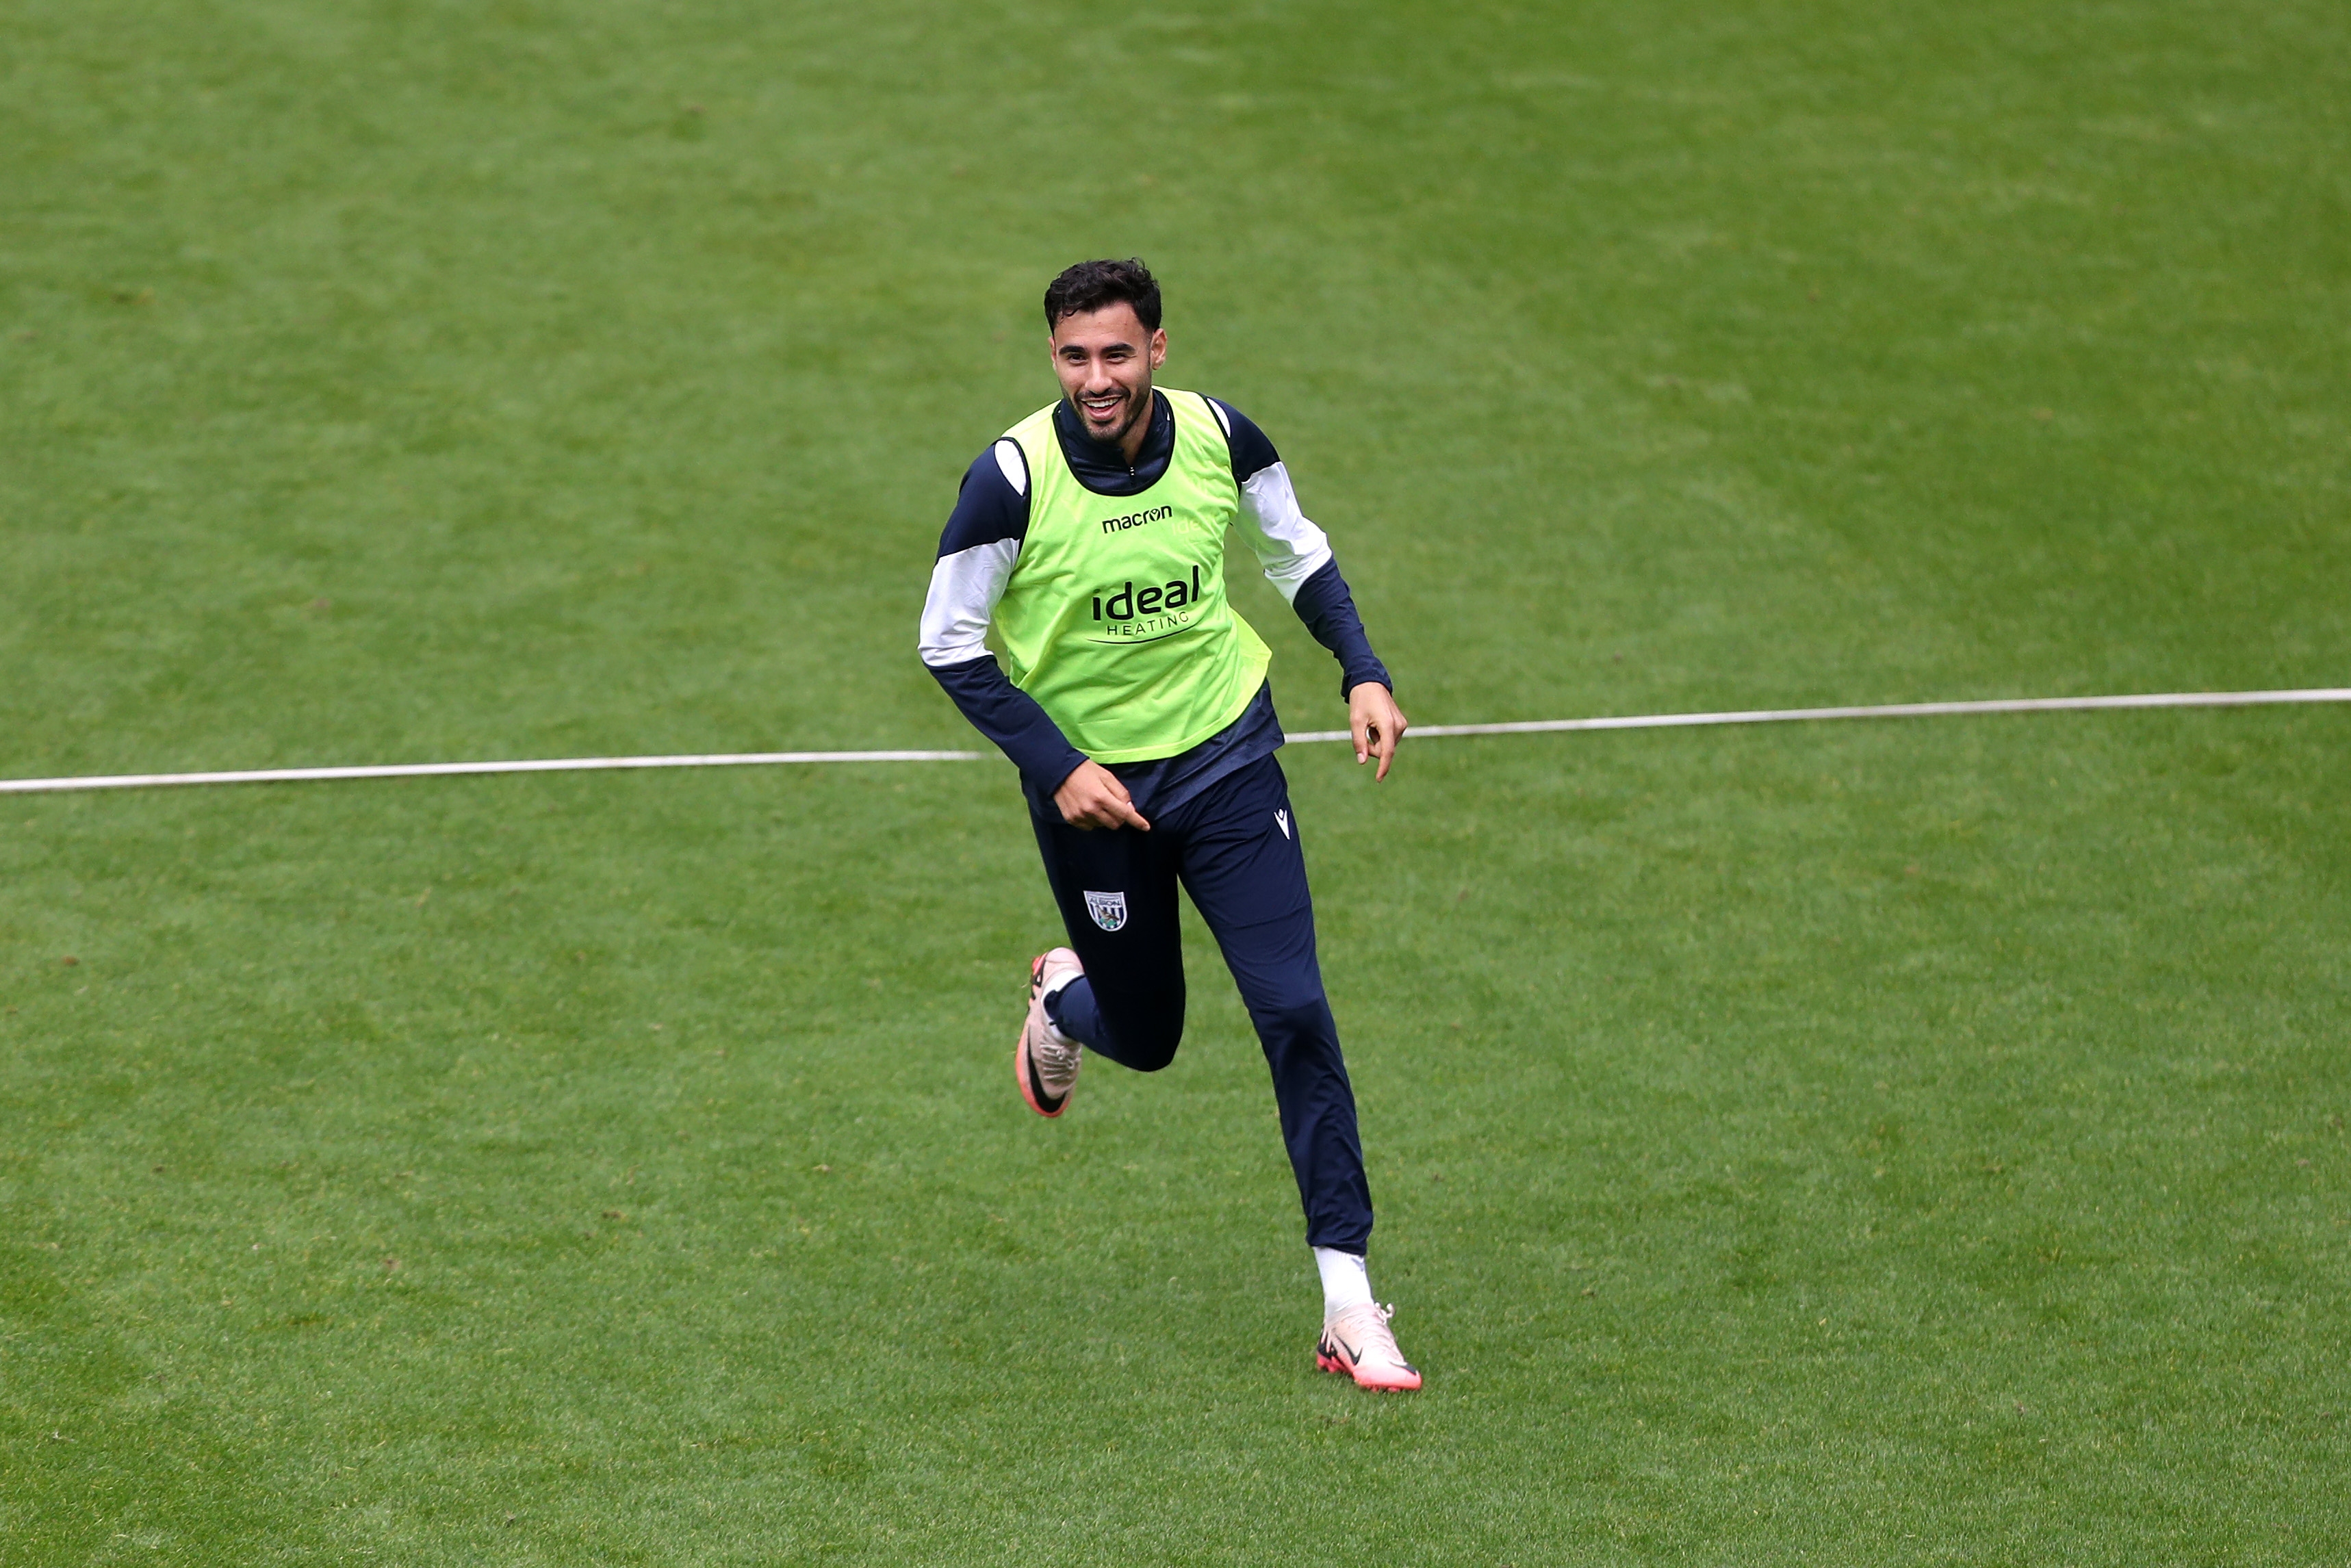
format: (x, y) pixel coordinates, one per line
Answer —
(1105, 358)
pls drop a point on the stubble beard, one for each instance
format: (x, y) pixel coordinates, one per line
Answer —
(1137, 406)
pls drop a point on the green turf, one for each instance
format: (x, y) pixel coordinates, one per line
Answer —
(1897, 1142)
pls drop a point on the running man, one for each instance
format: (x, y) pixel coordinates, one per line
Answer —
(1091, 536)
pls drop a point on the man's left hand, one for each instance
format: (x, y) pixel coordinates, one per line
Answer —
(1376, 723)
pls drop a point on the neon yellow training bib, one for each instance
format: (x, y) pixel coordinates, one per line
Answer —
(1114, 618)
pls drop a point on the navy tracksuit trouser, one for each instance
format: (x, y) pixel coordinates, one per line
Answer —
(1234, 848)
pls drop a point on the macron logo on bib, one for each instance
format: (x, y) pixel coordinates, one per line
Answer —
(1136, 519)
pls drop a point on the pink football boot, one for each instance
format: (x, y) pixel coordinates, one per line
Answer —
(1046, 1061)
(1359, 1343)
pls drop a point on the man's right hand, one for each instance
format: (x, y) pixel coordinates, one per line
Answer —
(1092, 797)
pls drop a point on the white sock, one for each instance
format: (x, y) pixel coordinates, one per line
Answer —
(1046, 1001)
(1346, 1282)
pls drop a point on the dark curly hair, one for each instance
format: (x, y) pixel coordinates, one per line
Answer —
(1092, 286)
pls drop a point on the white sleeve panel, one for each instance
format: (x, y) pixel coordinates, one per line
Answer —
(1013, 463)
(1289, 548)
(964, 587)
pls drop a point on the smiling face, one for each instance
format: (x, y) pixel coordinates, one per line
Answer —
(1106, 359)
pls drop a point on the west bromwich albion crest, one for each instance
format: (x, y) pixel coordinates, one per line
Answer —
(1109, 909)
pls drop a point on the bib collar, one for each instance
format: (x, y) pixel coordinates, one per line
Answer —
(1101, 467)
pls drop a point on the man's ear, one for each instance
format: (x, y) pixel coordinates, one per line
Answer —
(1158, 347)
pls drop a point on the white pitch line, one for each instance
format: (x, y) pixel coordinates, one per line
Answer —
(432, 769)
(1425, 732)
(1887, 710)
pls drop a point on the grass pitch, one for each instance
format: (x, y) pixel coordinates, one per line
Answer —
(1903, 1142)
